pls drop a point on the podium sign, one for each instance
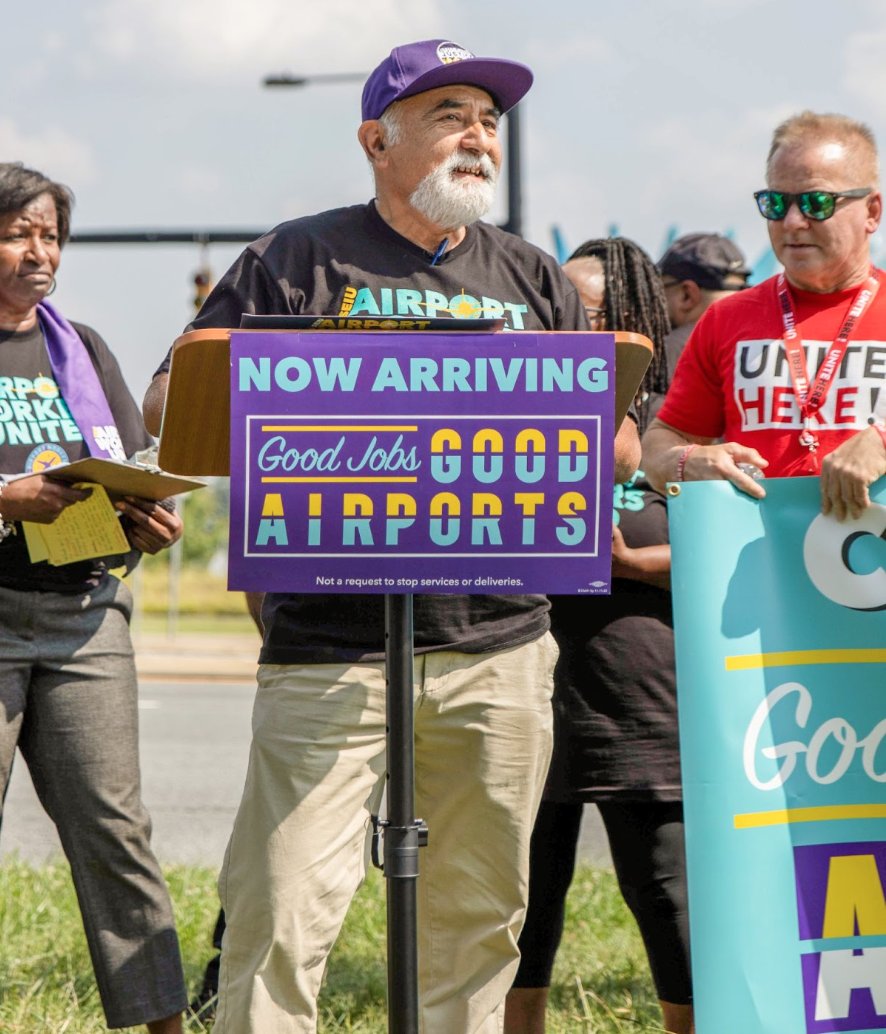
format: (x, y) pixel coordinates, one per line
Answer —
(780, 621)
(428, 462)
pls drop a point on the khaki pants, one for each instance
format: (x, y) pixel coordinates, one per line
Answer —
(297, 853)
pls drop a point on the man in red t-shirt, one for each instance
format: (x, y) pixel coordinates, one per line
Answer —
(791, 374)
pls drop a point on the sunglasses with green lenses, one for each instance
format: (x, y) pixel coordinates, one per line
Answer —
(814, 204)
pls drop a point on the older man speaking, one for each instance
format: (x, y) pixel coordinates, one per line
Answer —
(792, 373)
(430, 131)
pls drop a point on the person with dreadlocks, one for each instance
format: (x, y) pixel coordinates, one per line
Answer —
(622, 290)
(615, 699)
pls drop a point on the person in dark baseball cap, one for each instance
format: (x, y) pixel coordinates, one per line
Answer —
(416, 67)
(696, 270)
(707, 259)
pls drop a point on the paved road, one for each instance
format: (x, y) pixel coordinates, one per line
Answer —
(194, 748)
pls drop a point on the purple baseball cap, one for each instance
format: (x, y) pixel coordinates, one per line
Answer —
(416, 67)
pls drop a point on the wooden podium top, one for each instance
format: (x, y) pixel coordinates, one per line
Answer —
(195, 438)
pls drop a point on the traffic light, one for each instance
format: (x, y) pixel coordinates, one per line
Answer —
(202, 286)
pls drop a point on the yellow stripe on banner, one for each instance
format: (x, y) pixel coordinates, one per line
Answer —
(329, 480)
(339, 427)
(823, 813)
(745, 662)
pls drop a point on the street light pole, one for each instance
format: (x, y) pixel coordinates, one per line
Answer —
(514, 173)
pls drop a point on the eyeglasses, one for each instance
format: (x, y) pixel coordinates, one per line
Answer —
(814, 204)
(594, 312)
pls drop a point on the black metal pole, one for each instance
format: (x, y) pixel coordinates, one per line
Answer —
(402, 830)
(515, 175)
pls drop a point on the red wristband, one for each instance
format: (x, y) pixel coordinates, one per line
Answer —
(684, 456)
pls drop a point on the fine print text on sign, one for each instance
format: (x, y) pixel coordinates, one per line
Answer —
(448, 463)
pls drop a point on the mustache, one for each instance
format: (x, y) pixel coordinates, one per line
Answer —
(479, 165)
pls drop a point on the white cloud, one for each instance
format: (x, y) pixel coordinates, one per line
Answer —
(727, 7)
(863, 75)
(865, 72)
(718, 160)
(201, 38)
(196, 180)
(51, 150)
(703, 175)
(679, 171)
(572, 51)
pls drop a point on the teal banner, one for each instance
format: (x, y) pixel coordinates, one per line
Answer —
(780, 623)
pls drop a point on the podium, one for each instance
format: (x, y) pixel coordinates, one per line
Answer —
(196, 434)
(196, 438)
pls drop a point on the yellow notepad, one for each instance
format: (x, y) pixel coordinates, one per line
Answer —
(82, 530)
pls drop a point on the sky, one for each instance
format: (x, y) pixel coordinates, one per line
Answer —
(647, 118)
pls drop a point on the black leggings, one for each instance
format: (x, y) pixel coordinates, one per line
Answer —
(646, 841)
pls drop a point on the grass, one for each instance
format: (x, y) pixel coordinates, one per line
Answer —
(601, 983)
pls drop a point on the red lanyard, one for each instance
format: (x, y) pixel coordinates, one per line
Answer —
(811, 399)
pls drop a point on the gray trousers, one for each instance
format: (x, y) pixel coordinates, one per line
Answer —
(69, 701)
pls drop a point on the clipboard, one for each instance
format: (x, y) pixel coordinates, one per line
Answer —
(120, 479)
(199, 396)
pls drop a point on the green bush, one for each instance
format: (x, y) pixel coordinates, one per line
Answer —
(196, 590)
(205, 515)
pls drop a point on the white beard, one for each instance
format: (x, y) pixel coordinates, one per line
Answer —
(448, 202)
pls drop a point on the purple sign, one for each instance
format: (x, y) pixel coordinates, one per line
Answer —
(428, 462)
(841, 906)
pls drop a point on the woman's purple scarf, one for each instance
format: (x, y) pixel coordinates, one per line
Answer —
(79, 384)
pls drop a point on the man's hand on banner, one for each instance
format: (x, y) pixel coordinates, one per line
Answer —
(724, 461)
(671, 455)
(848, 471)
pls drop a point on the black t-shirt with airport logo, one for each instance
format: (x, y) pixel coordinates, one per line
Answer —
(349, 262)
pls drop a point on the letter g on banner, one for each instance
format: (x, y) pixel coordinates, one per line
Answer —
(826, 549)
